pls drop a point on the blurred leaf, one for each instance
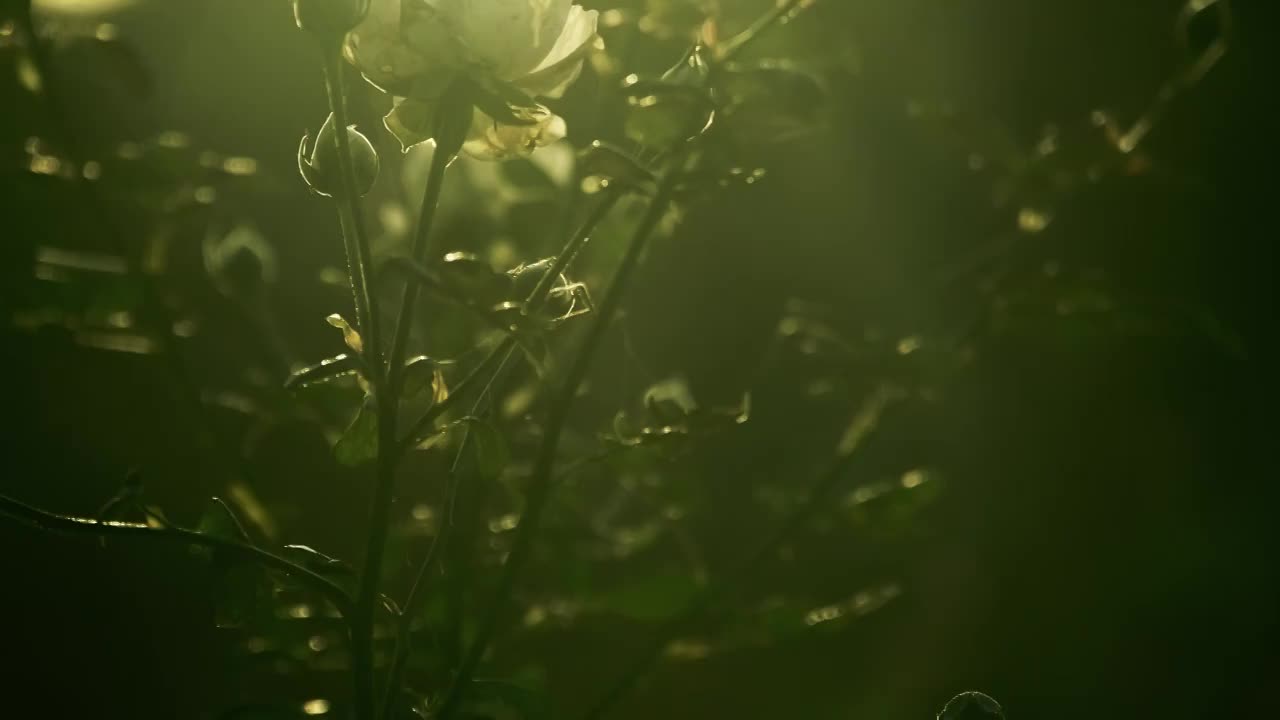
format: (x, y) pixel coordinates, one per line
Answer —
(489, 446)
(528, 704)
(240, 263)
(670, 401)
(491, 451)
(770, 102)
(359, 444)
(219, 521)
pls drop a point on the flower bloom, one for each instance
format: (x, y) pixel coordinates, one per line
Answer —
(414, 49)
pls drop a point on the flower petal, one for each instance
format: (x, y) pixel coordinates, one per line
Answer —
(490, 140)
(396, 45)
(506, 37)
(411, 121)
(561, 66)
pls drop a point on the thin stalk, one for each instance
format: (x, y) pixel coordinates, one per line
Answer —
(489, 368)
(498, 357)
(540, 486)
(737, 43)
(354, 237)
(54, 522)
(418, 253)
(359, 260)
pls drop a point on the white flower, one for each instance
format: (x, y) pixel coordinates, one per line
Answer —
(414, 49)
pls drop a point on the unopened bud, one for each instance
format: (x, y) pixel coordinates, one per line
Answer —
(319, 163)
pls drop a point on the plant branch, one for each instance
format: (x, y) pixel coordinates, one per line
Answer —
(848, 454)
(497, 358)
(88, 526)
(489, 368)
(354, 235)
(418, 253)
(540, 486)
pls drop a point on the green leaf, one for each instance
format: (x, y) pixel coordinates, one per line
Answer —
(771, 102)
(316, 561)
(324, 371)
(350, 335)
(618, 167)
(423, 374)
(359, 444)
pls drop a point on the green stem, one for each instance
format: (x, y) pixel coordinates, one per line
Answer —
(359, 260)
(87, 526)
(540, 485)
(498, 357)
(490, 367)
(387, 395)
(418, 253)
(354, 236)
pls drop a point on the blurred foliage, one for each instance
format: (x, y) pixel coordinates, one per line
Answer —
(870, 263)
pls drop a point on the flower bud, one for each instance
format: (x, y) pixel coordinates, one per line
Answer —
(329, 18)
(972, 705)
(319, 164)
